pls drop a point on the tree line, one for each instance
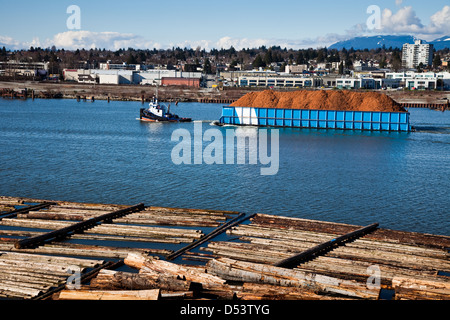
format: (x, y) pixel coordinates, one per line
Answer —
(209, 61)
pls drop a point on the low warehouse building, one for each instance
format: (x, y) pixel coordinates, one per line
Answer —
(190, 82)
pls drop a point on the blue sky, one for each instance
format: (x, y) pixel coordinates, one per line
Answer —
(208, 24)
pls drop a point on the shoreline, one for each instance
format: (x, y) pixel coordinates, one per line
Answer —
(65, 90)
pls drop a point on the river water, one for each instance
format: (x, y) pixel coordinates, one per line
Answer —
(99, 152)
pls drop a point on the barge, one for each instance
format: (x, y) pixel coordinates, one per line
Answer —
(317, 119)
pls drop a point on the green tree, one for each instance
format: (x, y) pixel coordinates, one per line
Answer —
(420, 67)
(383, 62)
(437, 61)
(341, 68)
(131, 59)
(207, 67)
(258, 62)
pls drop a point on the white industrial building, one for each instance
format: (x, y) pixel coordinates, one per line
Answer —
(280, 81)
(420, 81)
(114, 76)
(414, 54)
(356, 83)
(395, 80)
(155, 76)
(121, 76)
(296, 68)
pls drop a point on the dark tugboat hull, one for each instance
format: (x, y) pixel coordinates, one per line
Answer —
(149, 117)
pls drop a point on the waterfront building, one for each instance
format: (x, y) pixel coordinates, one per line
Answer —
(280, 81)
(27, 69)
(415, 54)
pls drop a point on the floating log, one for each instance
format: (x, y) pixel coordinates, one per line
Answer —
(234, 270)
(304, 256)
(402, 237)
(26, 210)
(93, 236)
(108, 295)
(255, 291)
(116, 280)
(419, 289)
(195, 211)
(81, 226)
(15, 291)
(91, 251)
(239, 219)
(149, 265)
(49, 259)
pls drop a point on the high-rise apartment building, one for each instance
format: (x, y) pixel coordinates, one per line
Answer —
(414, 54)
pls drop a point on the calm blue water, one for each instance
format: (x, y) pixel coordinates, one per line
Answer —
(99, 152)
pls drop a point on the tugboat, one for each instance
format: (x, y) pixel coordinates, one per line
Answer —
(160, 113)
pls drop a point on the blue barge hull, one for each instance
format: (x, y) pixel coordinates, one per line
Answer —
(319, 119)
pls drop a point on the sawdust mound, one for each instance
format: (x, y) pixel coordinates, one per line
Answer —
(320, 100)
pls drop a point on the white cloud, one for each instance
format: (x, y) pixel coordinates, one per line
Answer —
(404, 20)
(399, 2)
(9, 42)
(440, 21)
(89, 40)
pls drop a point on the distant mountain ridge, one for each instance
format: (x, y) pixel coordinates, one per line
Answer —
(374, 42)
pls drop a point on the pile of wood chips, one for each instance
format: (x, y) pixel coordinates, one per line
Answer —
(342, 100)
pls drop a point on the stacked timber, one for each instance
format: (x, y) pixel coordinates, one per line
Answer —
(250, 281)
(82, 250)
(71, 211)
(177, 217)
(85, 295)
(157, 233)
(234, 270)
(394, 254)
(28, 275)
(419, 289)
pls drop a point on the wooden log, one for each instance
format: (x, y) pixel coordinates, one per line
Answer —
(136, 261)
(90, 251)
(60, 269)
(239, 219)
(146, 231)
(86, 263)
(25, 283)
(360, 243)
(26, 210)
(399, 255)
(109, 295)
(322, 248)
(273, 292)
(30, 223)
(196, 211)
(81, 226)
(178, 215)
(53, 216)
(115, 280)
(419, 289)
(32, 277)
(234, 270)
(359, 270)
(19, 291)
(92, 236)
(148, 265)
(412, 238)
